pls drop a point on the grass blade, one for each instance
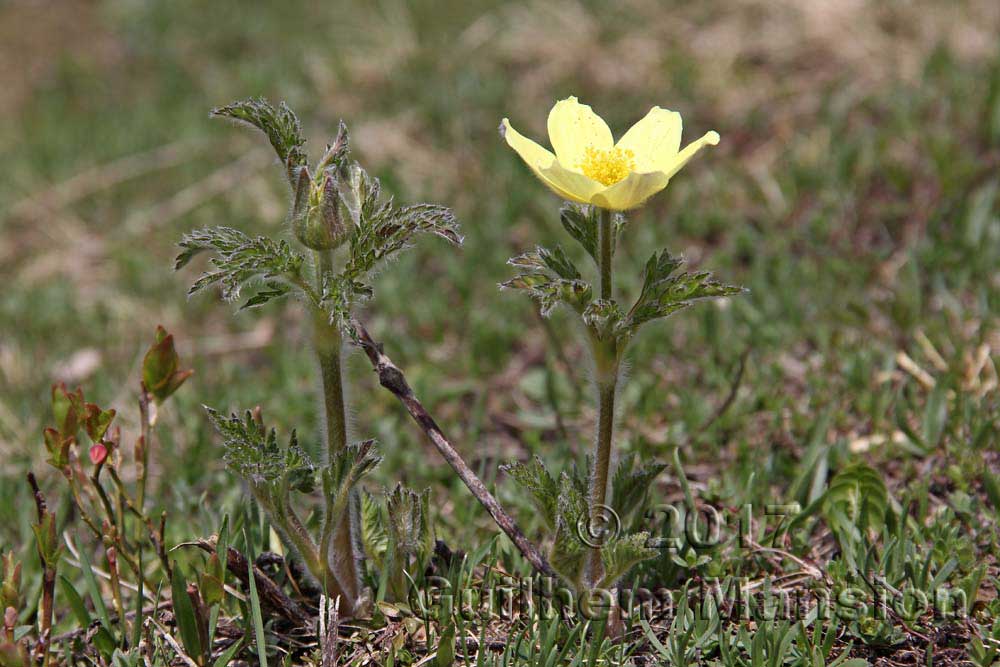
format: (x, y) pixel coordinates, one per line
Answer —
(258, 618)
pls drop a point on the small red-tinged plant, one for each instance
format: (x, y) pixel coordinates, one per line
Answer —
(49, 553)
(113, 511)
(13, 653)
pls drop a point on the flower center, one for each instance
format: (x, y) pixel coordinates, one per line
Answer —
(607, 166)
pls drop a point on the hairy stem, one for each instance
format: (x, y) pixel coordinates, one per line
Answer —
(328, 342)
(339, 533)
(599, 478)
(606, 377)
(294, 531)
(605, 240)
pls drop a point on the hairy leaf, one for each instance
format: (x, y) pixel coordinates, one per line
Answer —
(254, 454)
(410, 537)
(550, 292)
(551, 278)
(629, 487)
(384, 230)
(374, 537)
(241, 259)
(856, 501)
(581, 223)
(345, 470)
(605, 317)
(621, 554)
(569, 550)
(281, 126)
(568, 553)
(542, 259)
(540, 485)
(664, 291)
(340, 295)
(410, 529)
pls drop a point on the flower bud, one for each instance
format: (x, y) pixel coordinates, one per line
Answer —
(160, 373)
(98, 453)
(319, 217)
(10, 582)
(361, 190)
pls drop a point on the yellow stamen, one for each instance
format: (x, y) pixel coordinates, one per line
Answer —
(607, 166)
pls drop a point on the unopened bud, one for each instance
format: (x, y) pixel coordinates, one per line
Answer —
(98, 453)
(361, 190)
(319, 217)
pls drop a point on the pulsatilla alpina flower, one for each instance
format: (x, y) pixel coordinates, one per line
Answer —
(590, 168)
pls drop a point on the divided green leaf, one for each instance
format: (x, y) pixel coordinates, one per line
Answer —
(253, 453)
(384, 230)
(569, 550)
(629, 487)
(374, 535)
(582, 222)
(410, 537)
(542, 259)
(281, 126)
(539, 484)
(241, 259)
(344, 472)
(664, 291)
(621, 554)
(604, 317)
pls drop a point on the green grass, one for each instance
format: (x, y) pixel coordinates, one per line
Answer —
(857, 199)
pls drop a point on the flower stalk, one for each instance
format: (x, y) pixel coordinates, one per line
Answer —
(602, 179)
(342, 576)
(605, 240)
(605, 359)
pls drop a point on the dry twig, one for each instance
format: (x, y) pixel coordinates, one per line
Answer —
(270, 593)
(390, 377)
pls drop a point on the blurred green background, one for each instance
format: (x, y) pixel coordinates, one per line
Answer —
(855, 193)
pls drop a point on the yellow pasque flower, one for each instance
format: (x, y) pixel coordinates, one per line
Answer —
(590, 168)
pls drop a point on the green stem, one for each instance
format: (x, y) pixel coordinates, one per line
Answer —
(599, 479)
(606, 374)
(328, 348)
(145, 442)
(296, 533)
(329, 342)
(339, 533)
(605, 240)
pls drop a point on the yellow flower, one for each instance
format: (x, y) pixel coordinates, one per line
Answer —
(590, 168)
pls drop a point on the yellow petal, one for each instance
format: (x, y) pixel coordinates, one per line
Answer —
(574, 127)
(631, 192)
(534, 155)
(681, 159)
(570, 184)
(565, 183)
(654, 140)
